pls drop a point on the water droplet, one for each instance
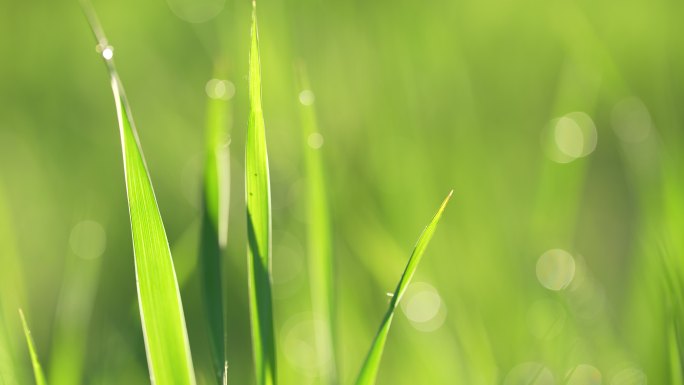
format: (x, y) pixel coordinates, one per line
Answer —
(315, 140)
(555, 269)
(529, 373)
(631, 120)
(584, 374)
(107, 51)
(88, 239)
(220, 89)
(307, 97)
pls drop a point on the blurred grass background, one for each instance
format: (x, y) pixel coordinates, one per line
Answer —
(413, 99)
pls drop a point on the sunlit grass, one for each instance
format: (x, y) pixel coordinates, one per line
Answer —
(161, 311)
(258, 195)
(370, 367)
(35, 362)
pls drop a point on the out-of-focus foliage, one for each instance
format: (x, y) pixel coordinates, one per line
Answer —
(557, 123)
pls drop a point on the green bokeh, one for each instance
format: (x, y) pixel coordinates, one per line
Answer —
(413, 99)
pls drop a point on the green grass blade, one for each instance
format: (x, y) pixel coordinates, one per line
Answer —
(318, 236)
(161, 312)
(370, 367)
(259, 224)
(214, 229)
(37, 369)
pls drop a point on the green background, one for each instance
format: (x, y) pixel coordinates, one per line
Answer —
(413, 99)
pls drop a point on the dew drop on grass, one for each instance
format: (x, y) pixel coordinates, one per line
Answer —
(107, 51)
(307, 97)
(88, 239)
(315, 140)
(529, 373)
(555, 269)
(584, 374)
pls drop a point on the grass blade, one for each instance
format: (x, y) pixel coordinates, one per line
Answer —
(318, 236)
(215, 205)
(259, 224)
(37, 369)
(161, 312)
(369, 370)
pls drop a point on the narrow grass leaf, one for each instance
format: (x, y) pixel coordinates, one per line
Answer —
(214, 223)
(37, 369)
(370, 367)
(258, 196)
(161, 312)
(318, 235)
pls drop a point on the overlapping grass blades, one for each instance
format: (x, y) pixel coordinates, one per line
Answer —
(318, 236)
(258, 197)
(370, 367)
(37, 369)
(161, 311)
(214, 225)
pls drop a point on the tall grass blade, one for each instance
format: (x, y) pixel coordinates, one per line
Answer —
(370, 367)
(258, 197)
(214, 230)
(161, 312)
(318, 236)
(37, 369)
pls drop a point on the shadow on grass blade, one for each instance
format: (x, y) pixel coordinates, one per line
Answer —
(258, 197)
(37, 369)
(369, 370)
(161, 312)
(214, 225)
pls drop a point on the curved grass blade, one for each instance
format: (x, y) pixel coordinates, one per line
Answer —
(258, 197)
(370, 367)
(37, 369)
(161, 312)
(215, 205)
(318, 236)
